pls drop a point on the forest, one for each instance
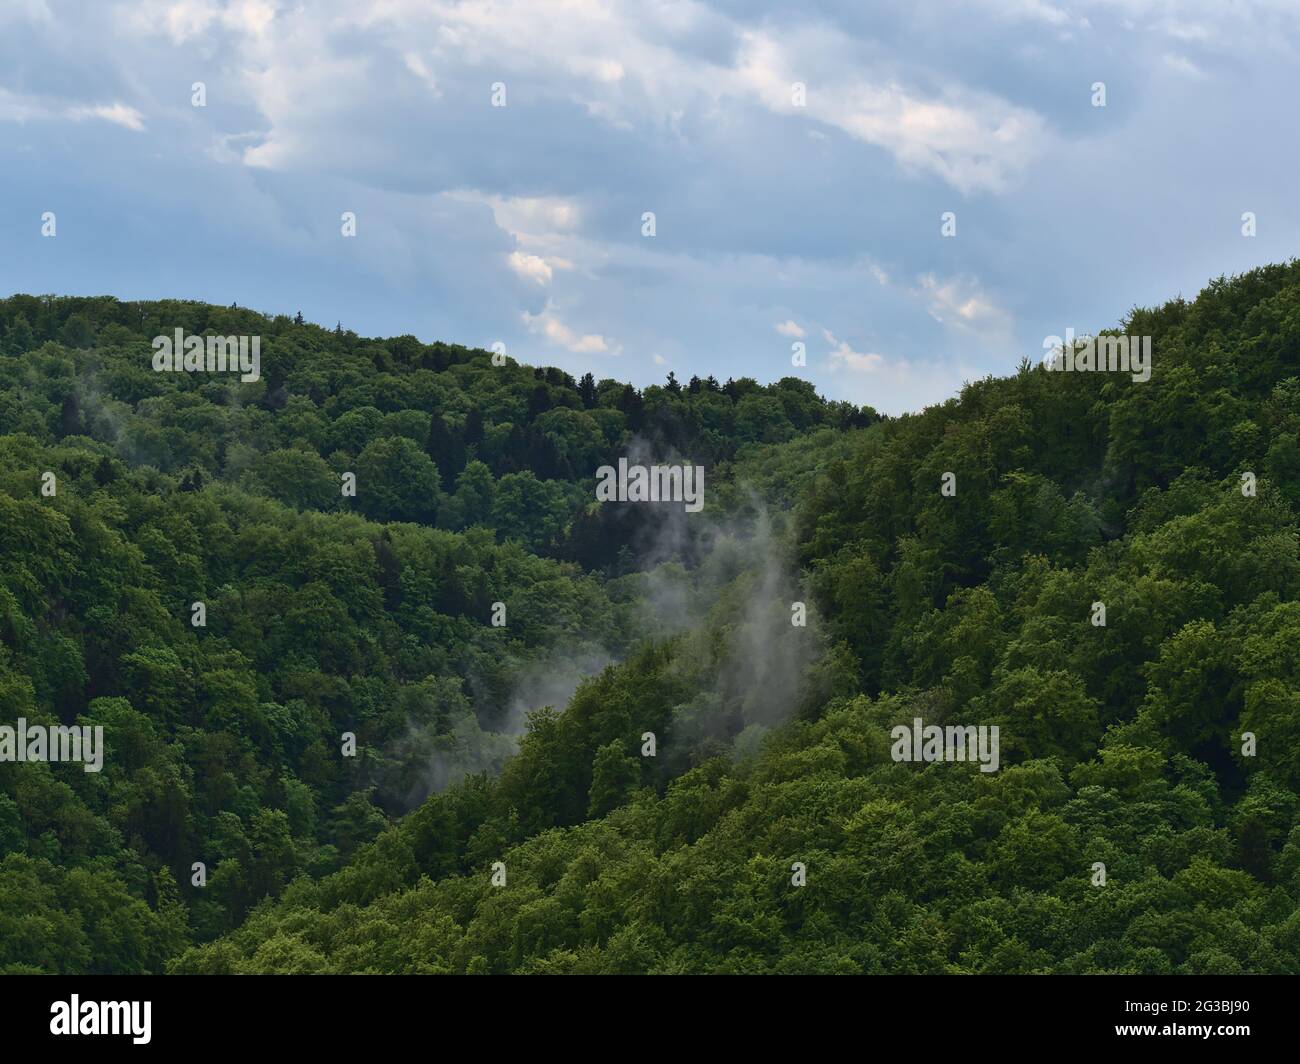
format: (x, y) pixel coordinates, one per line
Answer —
(472, 719)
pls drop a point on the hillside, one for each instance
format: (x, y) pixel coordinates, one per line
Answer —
(518, 750)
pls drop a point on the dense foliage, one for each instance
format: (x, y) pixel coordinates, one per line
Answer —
(1120, 744)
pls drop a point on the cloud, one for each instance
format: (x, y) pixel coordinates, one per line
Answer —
(842, 356)
(185, 20)
(548, 325)
(417, 66)
(962, 304)
(529, 218)
(530, 267)
(17, 107)
(790, 328)
(626, 66)
(117, 113)
(973, 140)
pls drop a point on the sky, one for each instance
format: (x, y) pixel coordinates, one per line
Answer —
(500, 158)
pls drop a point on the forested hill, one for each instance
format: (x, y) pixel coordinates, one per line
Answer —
(1172, 503)
(443, 435)
(129, 496)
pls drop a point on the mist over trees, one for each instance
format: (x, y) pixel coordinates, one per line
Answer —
(501, 813)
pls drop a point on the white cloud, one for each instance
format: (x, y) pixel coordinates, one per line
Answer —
(530, 267)
(606, 70)
(972, 140)
(417, 66)
(117, 113)
(20, 108)
(790, 328)
(619, 61)
(842, 356)
(962, 304)
(184, 20)
(251, 16)
(892, 385)
(531, 220)
(548, 325)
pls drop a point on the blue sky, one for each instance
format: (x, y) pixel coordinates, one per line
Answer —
(774, 222)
